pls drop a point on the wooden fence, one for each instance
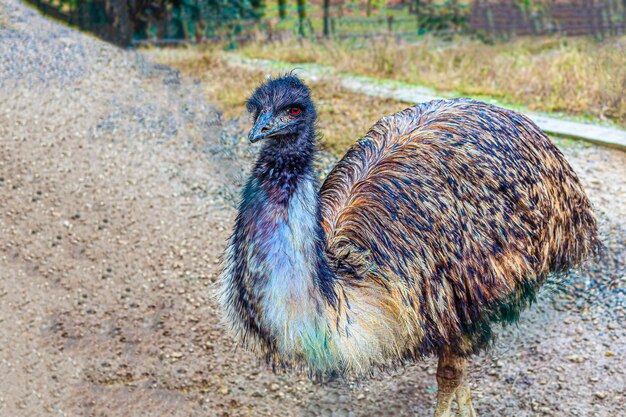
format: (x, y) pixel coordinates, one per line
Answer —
(507, 18)
(495, 18)
(185, 23)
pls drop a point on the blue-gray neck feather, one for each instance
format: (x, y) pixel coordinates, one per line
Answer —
(283, 168)
(278, 277)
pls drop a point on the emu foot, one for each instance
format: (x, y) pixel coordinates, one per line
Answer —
(464, 401)
(451, 382)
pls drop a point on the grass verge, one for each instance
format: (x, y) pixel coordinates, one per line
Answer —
(344, 115)
(578, 76)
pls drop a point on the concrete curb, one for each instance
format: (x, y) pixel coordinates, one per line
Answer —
(600, 135)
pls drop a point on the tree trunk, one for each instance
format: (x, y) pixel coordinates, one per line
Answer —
(259, 8)
(282, 9)
(301, 15)
(326, 17)
(118, 13)
(417, 14)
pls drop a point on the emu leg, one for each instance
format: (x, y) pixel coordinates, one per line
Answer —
(464, 400)
(450, 383)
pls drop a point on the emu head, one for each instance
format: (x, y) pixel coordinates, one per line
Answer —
(282, 110)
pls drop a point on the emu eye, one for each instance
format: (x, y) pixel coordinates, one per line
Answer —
(294, 111)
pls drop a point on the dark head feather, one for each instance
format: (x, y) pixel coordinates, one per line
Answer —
(277, 93)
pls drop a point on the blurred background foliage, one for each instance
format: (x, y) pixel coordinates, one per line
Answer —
(470, 47)
(185, 21)
(206, 20)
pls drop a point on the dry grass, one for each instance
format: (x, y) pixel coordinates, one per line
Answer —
(344, 116)
(577, 76)
(226, 86)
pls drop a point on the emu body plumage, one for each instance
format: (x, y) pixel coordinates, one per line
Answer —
(441, 222)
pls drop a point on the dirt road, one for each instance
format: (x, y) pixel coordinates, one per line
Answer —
(116, 185)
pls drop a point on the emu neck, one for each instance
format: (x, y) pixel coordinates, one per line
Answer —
(283, 164)
(281, 216)
(286, 206)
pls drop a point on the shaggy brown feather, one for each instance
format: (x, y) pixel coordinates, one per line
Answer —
(451, 214)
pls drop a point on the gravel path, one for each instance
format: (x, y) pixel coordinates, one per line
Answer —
(117, 183)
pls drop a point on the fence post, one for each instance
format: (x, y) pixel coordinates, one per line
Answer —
(623, 28)
(327, 18)
(417, 16)
(79, 13)
(282, 9)
(301, 16)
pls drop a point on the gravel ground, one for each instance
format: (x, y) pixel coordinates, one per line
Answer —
(116, 184)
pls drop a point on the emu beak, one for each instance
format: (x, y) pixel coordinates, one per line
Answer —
(264, 126)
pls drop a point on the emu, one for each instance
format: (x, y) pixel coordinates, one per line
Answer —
(440, 223)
